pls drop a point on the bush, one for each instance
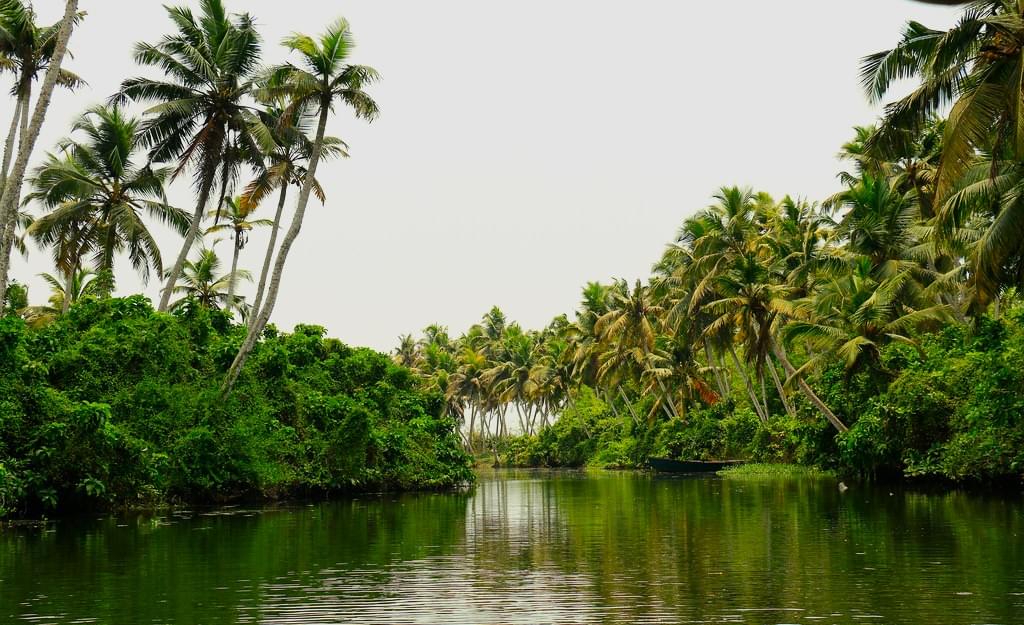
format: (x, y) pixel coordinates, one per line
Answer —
(116, 404)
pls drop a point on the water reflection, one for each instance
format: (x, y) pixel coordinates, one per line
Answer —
(534, 547)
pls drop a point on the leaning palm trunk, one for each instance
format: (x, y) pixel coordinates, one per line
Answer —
(269, 256)
(282, 255)
(780, 353)
(19, 106)
(715, 371)
(234, 270)
(22, 132)
(186, 246)
(69, 288)
(667, 399)
(629, 406)
(12, 188)
(782, 392)
(750, 387)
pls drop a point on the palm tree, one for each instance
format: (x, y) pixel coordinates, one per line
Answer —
(407, 353)
(238, 224)
(63, 293)
(853, 316)
(971, 66)
(201, 283)
(26, 50)
(96, 195)
(325, 78)
(200, 112)
(11, 193)
(285, 168)
(629, 331)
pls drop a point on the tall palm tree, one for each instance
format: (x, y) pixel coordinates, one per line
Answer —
(11, 193)
(325, 78)
(96, 196)
(237, 213)
(26, 50)
(200, 110)
(976, 67)
(286, 167)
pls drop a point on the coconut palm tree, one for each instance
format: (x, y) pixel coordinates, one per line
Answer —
(629, 331)
(853, 316)
(199, 111)
(95, 197)
(971, 66)
(236, 213)
(325, 78)
(201, 282)
(63, 293)
(286, 167)
(26, 50)
(407, 353)
(11, 192)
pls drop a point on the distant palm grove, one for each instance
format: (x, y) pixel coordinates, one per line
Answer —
(877, 332)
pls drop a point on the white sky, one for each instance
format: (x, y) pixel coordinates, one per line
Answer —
(525, 147)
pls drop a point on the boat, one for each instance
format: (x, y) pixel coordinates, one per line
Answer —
(667, 465)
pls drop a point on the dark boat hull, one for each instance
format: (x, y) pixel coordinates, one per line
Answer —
(666, 465)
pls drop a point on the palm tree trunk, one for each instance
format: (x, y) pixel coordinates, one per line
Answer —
(282, 254)
(782, 392)
(13, 224)
(186, 245)
(750, 387)
(667, 399)
(234, 269)
(269, 256)
(780, 353)
(610, 401)
(629, 406)
(69, 290)
(19, 106)
(715, 370)
(764, 391)
(12, 190)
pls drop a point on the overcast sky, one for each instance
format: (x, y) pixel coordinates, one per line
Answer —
(525, 148)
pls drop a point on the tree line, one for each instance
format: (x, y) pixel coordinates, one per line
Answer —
(758, 298)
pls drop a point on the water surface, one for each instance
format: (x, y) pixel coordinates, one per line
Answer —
(538, 547)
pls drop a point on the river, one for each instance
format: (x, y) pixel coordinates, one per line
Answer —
(538, 547)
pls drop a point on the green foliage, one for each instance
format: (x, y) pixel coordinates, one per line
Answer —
(116, 404)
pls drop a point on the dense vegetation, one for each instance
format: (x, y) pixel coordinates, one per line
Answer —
(877, 332)
(105, 401)
(115, 403)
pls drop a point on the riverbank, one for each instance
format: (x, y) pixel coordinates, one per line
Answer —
(947, 410)
(116, 406)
